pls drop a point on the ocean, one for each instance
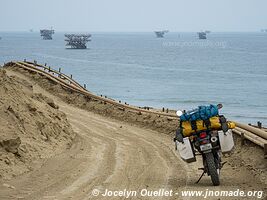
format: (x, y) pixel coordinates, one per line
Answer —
(176, 72)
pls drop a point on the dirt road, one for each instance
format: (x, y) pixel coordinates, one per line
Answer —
(113, 155)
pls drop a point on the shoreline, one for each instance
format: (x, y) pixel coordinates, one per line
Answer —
(161, 111)
(115, 123)
(232, 116)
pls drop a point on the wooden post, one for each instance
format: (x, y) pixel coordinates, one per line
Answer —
(259, 124)
(265, 151)
(242, 139)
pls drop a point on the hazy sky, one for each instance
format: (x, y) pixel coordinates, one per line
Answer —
(133, 15)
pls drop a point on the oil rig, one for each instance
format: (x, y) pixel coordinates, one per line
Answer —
(47, 34)
(77, 41)
(202, 35)
(160, 34)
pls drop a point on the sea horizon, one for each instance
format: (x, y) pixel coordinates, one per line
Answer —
(147, 71)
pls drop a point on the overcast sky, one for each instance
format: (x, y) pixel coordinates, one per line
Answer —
(133, 15)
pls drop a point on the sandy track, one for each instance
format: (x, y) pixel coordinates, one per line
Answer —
(106, 154)
(109, 154)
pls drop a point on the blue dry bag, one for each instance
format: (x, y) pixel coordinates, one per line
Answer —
(201, 113)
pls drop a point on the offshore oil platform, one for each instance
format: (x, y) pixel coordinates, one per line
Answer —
(160, 34)
(202, 35)
(77, 41)
(47, 34)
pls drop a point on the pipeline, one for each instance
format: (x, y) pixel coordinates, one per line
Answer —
(253, 134)
(252, 139)
(254, 130)
(73, 85)
(250, 136)
(49, 69)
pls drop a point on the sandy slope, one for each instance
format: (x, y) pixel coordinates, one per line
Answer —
(31, 126)
(114, 155)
